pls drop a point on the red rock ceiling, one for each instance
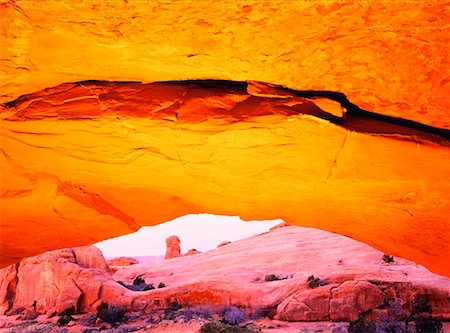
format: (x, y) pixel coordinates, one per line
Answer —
(83, 162)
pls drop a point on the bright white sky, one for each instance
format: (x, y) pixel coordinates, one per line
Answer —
(202, 232)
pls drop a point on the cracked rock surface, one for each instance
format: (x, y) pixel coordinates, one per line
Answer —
(387, 56)
(82, 162)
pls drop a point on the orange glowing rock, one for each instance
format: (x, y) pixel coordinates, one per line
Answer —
(386, 56)
(84, 162)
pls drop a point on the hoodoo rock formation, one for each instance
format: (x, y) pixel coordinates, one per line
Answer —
(85, 161)
(173, 249)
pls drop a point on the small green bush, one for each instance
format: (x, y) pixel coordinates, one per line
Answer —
(233, 315)
(110, 314)
(421, 317)
(198, 312)
(64, 320)
(396, 320)
(171, 311)
(314, 282)
(271, 277)
(149, 287)
(361, 325)
(387, 258)
(138, 281)
(65, 316)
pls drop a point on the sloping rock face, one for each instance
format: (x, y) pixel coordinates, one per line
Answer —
(357, 279)
(159, 151)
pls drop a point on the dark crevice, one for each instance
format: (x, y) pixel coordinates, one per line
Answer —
(354, 118)
(354, 113)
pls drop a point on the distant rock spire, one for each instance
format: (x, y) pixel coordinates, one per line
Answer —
(173, 249)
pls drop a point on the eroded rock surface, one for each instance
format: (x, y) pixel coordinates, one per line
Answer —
(56, 280)
(387, 56)
(357, 278)
(160, 151)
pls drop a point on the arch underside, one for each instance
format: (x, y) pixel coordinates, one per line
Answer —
(82, 161)
(91, 160)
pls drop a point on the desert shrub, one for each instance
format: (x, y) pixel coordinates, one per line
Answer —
(70, 311)
(339, 328)
(314, 282)
(65, 316)
(233, 315)
(387, 258)
(154, 317)
(421, 317)
(396, 320)
(361, 325)
(148, 287)
(197, 312)
(110, 314)
(171, 311)
(138, 281)
(161, 285)
(219, 327)
(88, 319)
(64, 320)
(428, 325)
(259, 313)
(271, 277)
(139, 284)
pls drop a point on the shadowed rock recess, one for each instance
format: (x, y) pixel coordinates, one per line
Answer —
(82, 162)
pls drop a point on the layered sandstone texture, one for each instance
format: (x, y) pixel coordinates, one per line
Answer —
(86, 161)
(82, 162)
(55, 280)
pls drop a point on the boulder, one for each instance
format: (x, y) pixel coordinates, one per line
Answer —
(55, 280)
(352, 298)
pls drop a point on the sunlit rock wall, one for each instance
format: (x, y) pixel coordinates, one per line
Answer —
(387, 56)
(83, 162)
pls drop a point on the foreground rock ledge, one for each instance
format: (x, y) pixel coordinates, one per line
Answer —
(82, 162)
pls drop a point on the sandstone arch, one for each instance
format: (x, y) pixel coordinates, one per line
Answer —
(91, 160)
(386, 57)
